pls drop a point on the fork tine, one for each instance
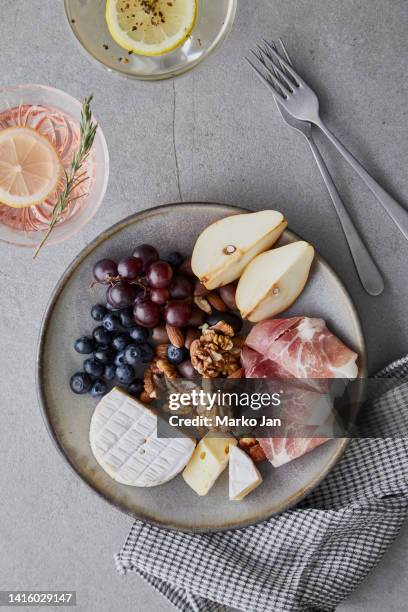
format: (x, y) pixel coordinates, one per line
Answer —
(285, 64)
(279, 73)
(286, 54)
(266, 79)
(272, 73)
(259, 56)
(269, 75)
(292, 81)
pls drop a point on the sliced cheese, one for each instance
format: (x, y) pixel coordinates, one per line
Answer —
(244, 477)
(209, 460)
(123, 437)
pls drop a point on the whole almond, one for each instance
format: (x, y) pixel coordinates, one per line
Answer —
(161, 350)
(175, 335)
(191, 335)
(257, 453)
(216, 302)
(203, 304)
(200, 290)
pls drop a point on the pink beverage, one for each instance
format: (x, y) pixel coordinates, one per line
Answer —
(63, 133)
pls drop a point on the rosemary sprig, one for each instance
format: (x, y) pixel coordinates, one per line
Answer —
(73, 178)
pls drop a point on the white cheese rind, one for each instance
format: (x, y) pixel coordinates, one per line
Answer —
(244, 476)
(123, 438)
(209, 460)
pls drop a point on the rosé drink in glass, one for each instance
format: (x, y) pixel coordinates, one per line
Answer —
(55, 116)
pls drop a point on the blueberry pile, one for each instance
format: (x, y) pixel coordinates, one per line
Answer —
(116, 348)
(143, 292)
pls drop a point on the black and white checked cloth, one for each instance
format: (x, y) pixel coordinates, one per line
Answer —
(308, 558)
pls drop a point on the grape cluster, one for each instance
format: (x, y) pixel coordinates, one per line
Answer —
(154, 288)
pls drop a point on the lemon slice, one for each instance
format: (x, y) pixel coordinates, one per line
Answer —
(29, 167)
(150, 27)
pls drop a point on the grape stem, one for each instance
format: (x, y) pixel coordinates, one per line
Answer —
(72, 179)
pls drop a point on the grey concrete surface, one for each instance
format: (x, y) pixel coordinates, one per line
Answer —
(219, 126)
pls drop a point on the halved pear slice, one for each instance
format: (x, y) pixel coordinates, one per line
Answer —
(226, 247)
(273, 281)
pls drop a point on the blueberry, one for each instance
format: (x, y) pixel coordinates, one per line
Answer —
(93, 367)
(133, 354)
(125, 374)
(136, 387)
(120, 342)
(175, 259)
(228, 317)
(80, 382)
(98, 388)
(176, 355)
(84, 345)
(104, 354)
(120, 358)
(102, 335)
(126, 317)
(98, 312)
(139, 334)
(109, 372)
(111, 322)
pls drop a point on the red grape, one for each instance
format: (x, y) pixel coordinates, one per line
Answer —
(160, 296)
(104, 269)
(146, 253)
(147, 314)
(130, 268)
(227, 293)
(180, 288)
(159, 274)
(177, 313)
(121, 295)
(197, 317)
(186, 370)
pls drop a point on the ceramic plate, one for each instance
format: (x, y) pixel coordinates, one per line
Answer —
(173, 505)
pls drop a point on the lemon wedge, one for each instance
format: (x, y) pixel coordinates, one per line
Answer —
(150, 27)
(30, 168)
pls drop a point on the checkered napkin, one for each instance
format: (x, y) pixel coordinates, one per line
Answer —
(308, 558)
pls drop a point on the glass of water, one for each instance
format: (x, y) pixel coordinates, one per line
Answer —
(87, 21)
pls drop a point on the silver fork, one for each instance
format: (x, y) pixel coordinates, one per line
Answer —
(367, 270)
(299, 100)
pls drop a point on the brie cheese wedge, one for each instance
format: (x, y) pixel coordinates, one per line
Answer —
(123, 437)
(209, 460)
(244, 476)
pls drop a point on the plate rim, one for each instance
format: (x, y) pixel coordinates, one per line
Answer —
(41, 395)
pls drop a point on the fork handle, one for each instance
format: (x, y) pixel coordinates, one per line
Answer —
(367, 270)
(393, 208)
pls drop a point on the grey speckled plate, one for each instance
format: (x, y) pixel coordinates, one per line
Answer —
(67, 416)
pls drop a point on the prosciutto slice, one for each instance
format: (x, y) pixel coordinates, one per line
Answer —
(297, 347)
(283, 450)
(304, 347)
(304, 403)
